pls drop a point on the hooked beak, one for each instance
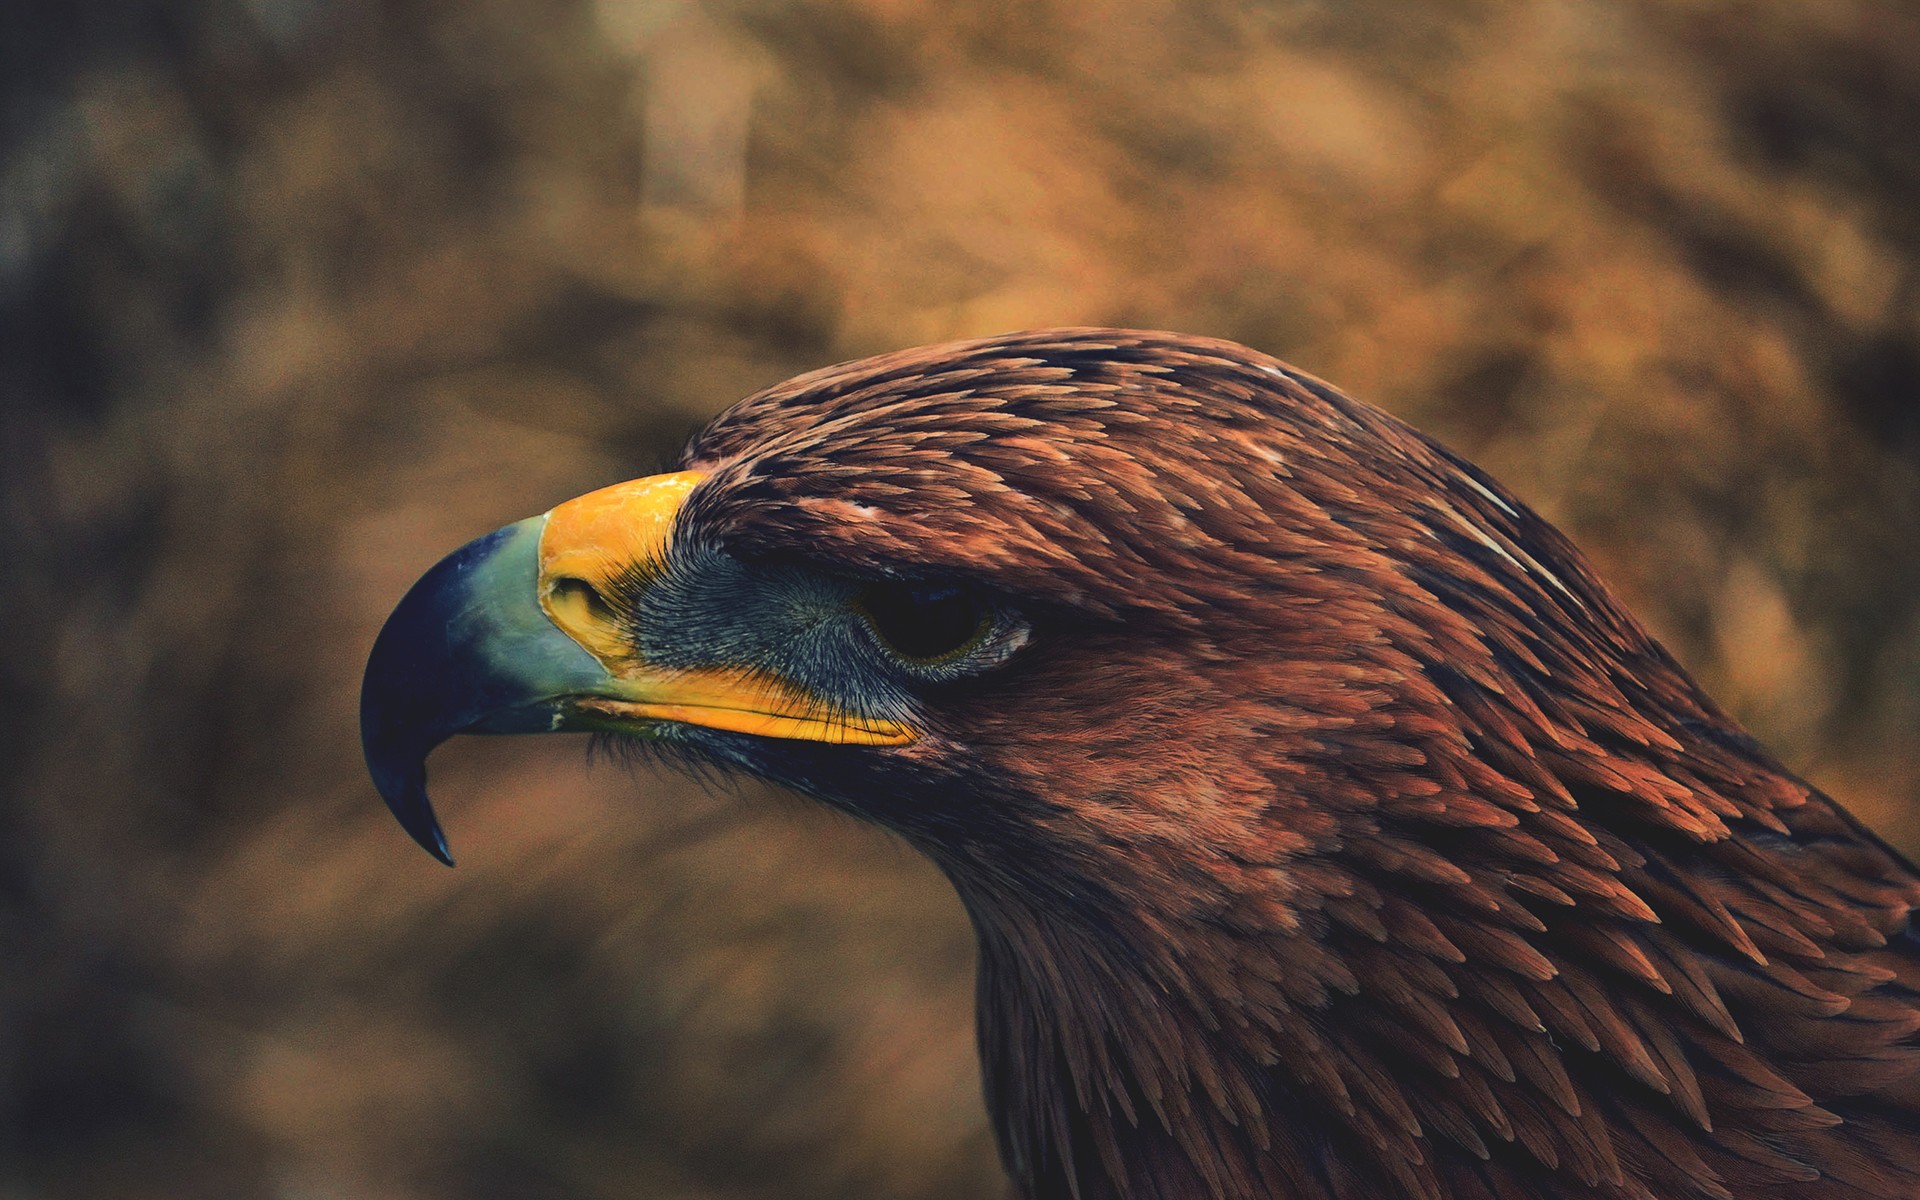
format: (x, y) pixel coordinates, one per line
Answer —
(515, 632)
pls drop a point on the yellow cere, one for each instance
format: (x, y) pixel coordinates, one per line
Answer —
(592, 540)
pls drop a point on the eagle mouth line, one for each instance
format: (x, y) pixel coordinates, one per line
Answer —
(838, 728)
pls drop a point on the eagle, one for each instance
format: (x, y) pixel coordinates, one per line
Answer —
(1327, 827)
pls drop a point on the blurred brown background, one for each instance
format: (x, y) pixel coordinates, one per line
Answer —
(296, 295)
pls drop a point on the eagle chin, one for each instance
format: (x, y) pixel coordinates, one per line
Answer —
(1328, 828)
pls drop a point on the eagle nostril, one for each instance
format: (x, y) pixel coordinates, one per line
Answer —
(581, 600)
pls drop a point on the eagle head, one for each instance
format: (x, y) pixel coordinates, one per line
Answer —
(1329, 830)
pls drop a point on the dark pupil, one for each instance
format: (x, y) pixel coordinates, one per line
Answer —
(922, 622)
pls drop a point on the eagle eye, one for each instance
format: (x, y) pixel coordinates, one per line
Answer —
(925, 625)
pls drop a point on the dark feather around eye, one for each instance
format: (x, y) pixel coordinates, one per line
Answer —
(925, 623)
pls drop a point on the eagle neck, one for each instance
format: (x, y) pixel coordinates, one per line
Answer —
(1107, 1078)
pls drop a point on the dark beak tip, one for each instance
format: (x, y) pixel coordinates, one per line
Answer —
(432, 841)
(426, 833)
(417, 692)
(467, 650)
(405, 792)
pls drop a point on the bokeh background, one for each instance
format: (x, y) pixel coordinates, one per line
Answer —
(296, 295)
